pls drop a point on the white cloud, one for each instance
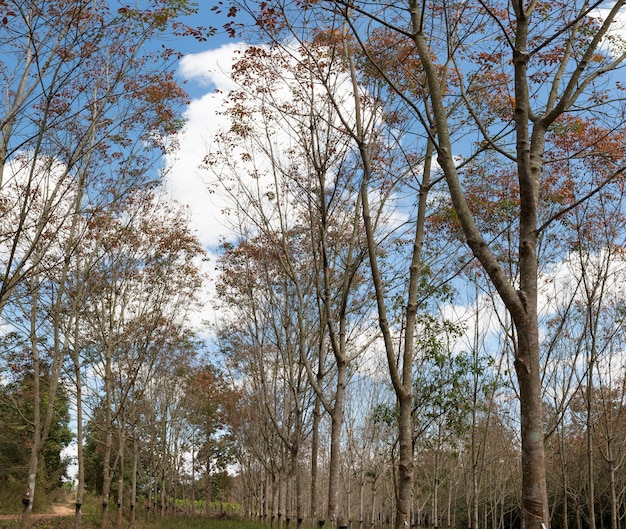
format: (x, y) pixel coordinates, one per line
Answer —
(186, 180)
(212, 67)
(616, 37)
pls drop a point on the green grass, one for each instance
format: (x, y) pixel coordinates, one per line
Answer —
(206, 523)
(93, 522)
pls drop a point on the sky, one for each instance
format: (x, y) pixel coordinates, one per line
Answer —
(204, 72)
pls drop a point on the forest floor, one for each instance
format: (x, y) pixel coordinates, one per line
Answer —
(57, 509)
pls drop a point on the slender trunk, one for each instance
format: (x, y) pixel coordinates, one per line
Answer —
(348, 494)
(164, 463)
(288, 494)
(336, 421)
(613, 492)
(361, 500)
(401, 373)
(590, 460)
(80, 485)
(373, 511)
(193, 477)
(475, 491)
(39, 428)
(42, 419)
(563, 469)
(207, 488)
(29, 496)
(449, 507)
(275, 506)
(163, 493)
(120, 480)
(133, 481)
(261, 501)
(281, 493)
(435, 502)
(315, 440)
(522, 304)
(299, 491)
(108, 446)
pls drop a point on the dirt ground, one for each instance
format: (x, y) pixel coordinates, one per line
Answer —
(58, 509)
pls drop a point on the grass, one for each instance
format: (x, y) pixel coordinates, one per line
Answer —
(204, 523)
(93, 522)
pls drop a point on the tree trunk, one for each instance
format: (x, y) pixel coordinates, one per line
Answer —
(207, 488)
(534, 492)
(37, 441)
(80, 485)
(315, 440)
(193, 477)
(522, 304)
(133, 481)
(29, 496)
(163, 492)
(589, 437)
(613, 492)
(336, 420)
(401, 371)
(41, 422)
(120, 480)
(108, 446)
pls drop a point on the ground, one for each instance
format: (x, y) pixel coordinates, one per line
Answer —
(58, 509)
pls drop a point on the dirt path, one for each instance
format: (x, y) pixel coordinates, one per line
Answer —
(58, 509)
(64, 509)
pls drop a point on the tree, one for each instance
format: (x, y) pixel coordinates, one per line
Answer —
(210, 403)
(90, 107)
(17, 413)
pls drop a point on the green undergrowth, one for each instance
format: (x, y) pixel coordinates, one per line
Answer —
(206, 523)
(93, 522)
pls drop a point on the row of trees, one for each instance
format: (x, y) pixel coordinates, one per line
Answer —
(427, 202)
(433, 191)
(99, 271)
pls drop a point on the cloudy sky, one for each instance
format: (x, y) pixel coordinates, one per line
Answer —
(207, 74)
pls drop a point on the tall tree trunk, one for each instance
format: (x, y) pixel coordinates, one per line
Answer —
(315, 440)
(522, 304)
(120, 478)
(80, 485)
(564, 482)
(29, 497)
(336, 421)
(299, 487)
(41, 421)
(193, 478)
(37, 444)
(108, 444)
(590, 460)
(401, 371)
(207, 487)
(163, 491)
(133, 481)
(613, 492)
